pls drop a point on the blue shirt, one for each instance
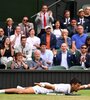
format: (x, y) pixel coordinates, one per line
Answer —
(79, 40)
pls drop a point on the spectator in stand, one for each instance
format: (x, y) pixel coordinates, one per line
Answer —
(7, 52)
(64, 39)
(64, 57)
(87, 42)
(83, 21)
(24, 48)
(81, 57)
(46, 54)
(26, 26)
(44, 18)
(49, 38)
(10, 27)
(66, 19)
(57, 30)
(16, 38)
(72, 27)
(18, 62)
(38, 63)
(79, 39)
(33, 40)
(2, 37)
(87, 13)
(87, 62)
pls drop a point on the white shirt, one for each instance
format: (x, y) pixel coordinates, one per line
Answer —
(64, 60)
(62, 88)
(47, 56)
(57, 33)
(33, 40)
(17, 41)
(27, 51)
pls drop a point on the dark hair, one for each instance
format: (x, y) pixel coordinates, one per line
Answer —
(23, 36)
(88, 38)
(83, 45)
(17, 54)
(42, 43)
(74, 81)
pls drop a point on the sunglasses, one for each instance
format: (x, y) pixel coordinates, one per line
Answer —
(83, 48)
(25, 20)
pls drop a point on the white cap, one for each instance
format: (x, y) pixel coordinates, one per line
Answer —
(47, 27)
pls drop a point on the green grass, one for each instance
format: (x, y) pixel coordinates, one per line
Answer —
(84, 95)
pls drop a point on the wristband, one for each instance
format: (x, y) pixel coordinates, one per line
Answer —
(42, 85)
(85, 86)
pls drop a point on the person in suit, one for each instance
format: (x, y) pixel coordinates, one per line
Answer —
(66, 18)
(64, 57)
(26, 26)
(10, 27)
(83, 21)
(49, 38)
(43, 18)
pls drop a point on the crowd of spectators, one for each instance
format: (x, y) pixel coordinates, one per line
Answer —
(55, 42)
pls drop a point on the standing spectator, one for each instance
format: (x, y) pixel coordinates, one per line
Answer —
(2, 37)
(46, 54)
(57, 30)
(79, 39)
(64, 39)
(18, 62)
(66, 19)
(24, 48)
(10, 27)
(49, 38)
(7, 52)
(38, 63)
(83, 21)
(44, 18)
(64, 57)
(72, 27)
(26, 26)
(34, 40)
(15, 39)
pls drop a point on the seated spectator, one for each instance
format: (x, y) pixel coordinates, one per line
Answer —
(38, 63)
(18, 62)
(72, 27)
(64, 57)
(25, 48)
(87, 42)
(2, 37)
(46, 55)
(87, 62)
(16, 38)
(49, 38)
(10, 27)
(26, 26)
(34, 40)
(82, 56)
(57, 30)
(87, 13)
(7, 52)
(63, 39)
(79, 39)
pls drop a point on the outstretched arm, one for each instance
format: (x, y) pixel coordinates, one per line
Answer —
(46, 85)
(84, 86)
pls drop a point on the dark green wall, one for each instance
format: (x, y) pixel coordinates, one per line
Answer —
(18, 8)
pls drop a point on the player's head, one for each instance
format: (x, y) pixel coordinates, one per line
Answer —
(75, 84)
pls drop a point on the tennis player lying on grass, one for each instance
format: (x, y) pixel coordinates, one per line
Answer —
(45, 88)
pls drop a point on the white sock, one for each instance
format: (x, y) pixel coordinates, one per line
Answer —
(2, 91)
